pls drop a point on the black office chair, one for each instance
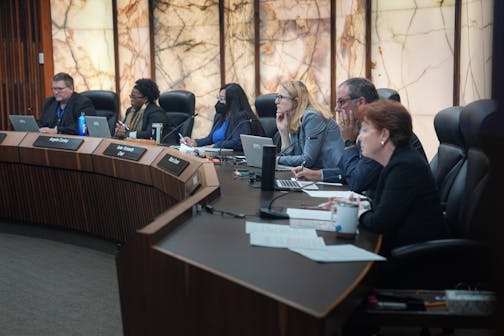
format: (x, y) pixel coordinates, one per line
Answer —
(266, 110)
(467, 258)
(451, 152)
(179, 106)
(106, 104)
(386, 93)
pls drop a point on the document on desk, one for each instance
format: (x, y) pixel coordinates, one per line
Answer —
(275, 235)
(313, 219)
(252, 227)
(338, 253)
(334, 193)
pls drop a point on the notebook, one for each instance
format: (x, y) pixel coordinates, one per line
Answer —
(24, 123)
(98, 127)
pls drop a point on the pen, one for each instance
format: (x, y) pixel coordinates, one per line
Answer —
(182, 139)
(124, 125)
(302, 165)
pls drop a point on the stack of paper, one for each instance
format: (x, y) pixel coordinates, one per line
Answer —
(305, 242)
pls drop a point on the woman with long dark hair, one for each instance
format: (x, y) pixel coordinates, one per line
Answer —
(233, 116)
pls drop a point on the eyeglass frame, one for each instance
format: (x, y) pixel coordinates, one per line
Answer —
(280, 97)
(59, 89)
(136, 97)
(340, 101)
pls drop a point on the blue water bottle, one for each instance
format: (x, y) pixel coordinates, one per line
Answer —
(82, 124)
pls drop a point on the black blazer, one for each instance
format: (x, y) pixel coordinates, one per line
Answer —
(152, 114)
(406, 208)
(69, 120)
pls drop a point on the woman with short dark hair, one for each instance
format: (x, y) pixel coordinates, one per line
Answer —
(406, 208)
(143, 112)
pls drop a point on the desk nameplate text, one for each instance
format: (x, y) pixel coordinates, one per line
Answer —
(173, 164)
(124, 151)
(58, 142)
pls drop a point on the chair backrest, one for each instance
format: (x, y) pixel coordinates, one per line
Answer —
(386, 93)
(106, 104)
(451, 151)
(470, 183)
(266, 110)
(179, 106)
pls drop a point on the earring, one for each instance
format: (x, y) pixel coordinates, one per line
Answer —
(382, 143)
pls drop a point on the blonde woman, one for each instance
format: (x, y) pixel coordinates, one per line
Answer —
(310, 136)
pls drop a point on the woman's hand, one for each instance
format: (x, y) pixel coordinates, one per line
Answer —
(305, 174)
(121, 130)
(188, 141)
(282, 121)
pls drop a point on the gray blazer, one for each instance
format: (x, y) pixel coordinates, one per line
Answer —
(318, 143)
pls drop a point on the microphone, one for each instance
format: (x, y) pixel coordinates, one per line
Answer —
(178, 128)
(275, 214)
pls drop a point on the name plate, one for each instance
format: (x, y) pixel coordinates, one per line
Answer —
(2, 137)
(58, 142)
(125, 152)
(173, 164)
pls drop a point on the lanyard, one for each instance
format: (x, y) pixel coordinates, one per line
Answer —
(60, 112)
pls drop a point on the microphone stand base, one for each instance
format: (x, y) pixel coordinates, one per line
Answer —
(272, 214)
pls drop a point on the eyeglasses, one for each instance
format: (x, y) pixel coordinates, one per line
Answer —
(58, 89)
(340, 102)
(136, 97)
(280, 97)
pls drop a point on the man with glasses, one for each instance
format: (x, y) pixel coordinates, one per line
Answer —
(358, 172)
(61, 112)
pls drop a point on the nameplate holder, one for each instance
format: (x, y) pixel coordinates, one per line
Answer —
(173, 164)
(2, 137)
(58, 142)
(124, 151)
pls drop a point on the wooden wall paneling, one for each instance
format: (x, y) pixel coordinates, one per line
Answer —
(46, 48)
(456, 52)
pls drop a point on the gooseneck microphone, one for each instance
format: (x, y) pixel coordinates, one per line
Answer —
(179, 127)
(275, 214)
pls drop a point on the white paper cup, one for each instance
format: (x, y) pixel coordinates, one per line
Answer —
(345, 218)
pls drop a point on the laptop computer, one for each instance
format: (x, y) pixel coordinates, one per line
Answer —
(252, 149)
(98, 127)
(24, 123)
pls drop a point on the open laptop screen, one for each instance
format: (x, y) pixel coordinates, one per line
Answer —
(98, 127)
(24, 123)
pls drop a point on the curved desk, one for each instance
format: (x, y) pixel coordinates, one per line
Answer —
(182, 271)
(90, 191)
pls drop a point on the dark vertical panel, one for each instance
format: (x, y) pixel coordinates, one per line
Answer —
(116, 48)
(20, 74)
(333, 55)
(368, 40)
(257, 48)
(222, 46)
(456, 52)
(152, 5)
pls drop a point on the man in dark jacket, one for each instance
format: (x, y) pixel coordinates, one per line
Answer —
(358, 172)
(61, 112)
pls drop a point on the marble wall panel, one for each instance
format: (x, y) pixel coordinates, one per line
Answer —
(295, 44)
(133, 46)
(350, 39)
(83, 42)
(412, 52)
(187, 53)
(476, 50)
(239, 45)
